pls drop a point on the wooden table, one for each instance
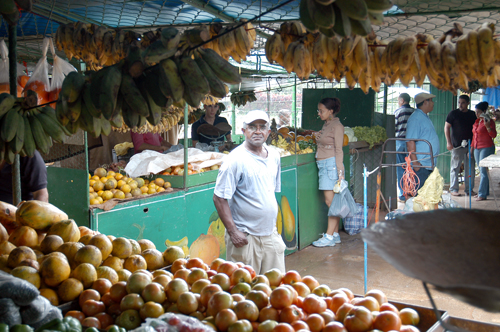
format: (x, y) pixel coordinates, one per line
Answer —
(492, 161)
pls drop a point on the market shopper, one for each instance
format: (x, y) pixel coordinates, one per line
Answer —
(245, 200)
(149, 141)
(212, 117)
(420, 127)
(33, 179)
(460, 122)
(401, 116)
(329, 158)
(484, 132)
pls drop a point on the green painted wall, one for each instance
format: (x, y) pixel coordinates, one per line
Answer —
(69, 190)
(356, 108)
(444, 102)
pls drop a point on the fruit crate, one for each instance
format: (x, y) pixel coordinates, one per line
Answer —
(428, 319)
(469, 325)
(177, 181)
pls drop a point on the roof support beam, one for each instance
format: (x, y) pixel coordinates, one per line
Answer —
(60, 16)
(443, 12)
(200, 4)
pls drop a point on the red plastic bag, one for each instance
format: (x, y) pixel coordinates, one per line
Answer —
(60, 69)
(4, 70)
(39, 80)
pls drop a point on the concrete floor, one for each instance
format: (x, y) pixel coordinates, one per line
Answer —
(342, 266)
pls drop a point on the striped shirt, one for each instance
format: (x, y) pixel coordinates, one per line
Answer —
(402, 115)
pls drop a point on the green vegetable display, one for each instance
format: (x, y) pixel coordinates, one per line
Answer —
(370, 135)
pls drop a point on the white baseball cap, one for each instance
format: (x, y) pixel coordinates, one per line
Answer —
(254, 116)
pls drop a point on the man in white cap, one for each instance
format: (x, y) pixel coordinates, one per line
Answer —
(245, 200)
(420, 126)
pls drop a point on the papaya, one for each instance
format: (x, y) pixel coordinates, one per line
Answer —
(4, 236)
(66, 229)
(205, 247)
(39, 215)
(288, 219)
(8, 217)
(24, 236)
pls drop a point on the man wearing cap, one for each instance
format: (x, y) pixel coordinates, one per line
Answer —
(245, 200)
(460, 121)
(401, 115)
(420, 126)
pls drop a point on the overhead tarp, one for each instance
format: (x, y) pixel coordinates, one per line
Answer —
(492, 96)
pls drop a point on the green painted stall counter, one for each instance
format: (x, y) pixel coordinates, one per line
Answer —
(187, 217)
(192, 180)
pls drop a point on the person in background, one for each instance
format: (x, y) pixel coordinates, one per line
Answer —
(329, 158)
(484, 131)
(420, 126)
(244, 197)
(460, 121)
(33, 180)
(149, 141)
(211, 117)
(401, 116)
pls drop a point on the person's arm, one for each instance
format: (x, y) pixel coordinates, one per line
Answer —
(41, 195)
(166, 144)
(146, 146)
(194, 142)
(238, 238)
(412, 147)
(228, 137)
(447, 127)
(491, 128)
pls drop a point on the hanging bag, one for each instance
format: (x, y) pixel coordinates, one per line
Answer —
(60, 69)
(343, 204)
(4, 70)
(39, 80)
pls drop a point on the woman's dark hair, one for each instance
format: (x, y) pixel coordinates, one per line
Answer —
(331, 104)
(483, 106)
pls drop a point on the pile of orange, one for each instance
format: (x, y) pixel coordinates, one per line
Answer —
(104, 185)
(228, 296)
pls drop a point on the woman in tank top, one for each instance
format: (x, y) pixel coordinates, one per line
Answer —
(329, 158)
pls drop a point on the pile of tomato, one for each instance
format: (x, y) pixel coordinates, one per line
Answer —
(228, 296)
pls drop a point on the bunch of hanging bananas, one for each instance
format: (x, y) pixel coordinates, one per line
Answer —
(10, 12)
(236, 44)
(169, 119)
(126, 93)
(210, 100)
(241, 98)
(448, 63)
(25, 128)
(343, 17)
(96, 45)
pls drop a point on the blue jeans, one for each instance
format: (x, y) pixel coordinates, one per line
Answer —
(484, 183)
(423, 174)
(400, 158)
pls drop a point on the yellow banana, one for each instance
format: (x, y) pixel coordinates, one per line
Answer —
(407, 53)
(472, 37)
(395, 53)
(299, 59)
(419, 79)
(288, 61)
(486, 48)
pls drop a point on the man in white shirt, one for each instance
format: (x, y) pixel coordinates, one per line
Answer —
(244, 197)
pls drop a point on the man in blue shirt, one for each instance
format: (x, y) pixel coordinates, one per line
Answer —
(420, 127)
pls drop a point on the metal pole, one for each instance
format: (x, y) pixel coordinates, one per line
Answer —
(294, 103)
(470, 180)
(386, 91)
(365, 218)
(184, 176)
(233, 118)
(16, 168)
